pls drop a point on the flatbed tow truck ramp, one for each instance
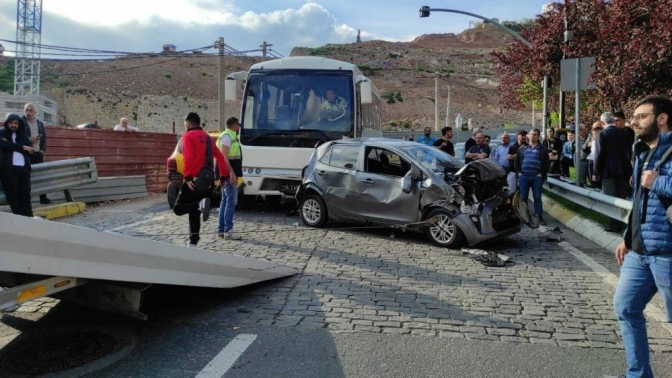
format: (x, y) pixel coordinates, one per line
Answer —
(109, 271)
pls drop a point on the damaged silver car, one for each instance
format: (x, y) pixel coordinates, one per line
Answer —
(392, 182)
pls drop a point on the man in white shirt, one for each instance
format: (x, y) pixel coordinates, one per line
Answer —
(124, 126)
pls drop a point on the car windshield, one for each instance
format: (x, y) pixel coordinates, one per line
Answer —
(432, 159)
(279, 105)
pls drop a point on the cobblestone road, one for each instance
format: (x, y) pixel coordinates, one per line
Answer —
(385, 281)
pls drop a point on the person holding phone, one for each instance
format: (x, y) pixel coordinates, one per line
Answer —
(38, 137)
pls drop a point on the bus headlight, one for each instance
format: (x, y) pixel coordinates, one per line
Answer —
(257, 171)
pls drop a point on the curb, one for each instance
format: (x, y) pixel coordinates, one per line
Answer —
(60, 210)
(584, 227)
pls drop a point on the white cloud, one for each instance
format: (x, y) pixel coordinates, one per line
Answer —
(144, 25)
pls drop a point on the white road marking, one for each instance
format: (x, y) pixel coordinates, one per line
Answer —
(227, 357)
(131, 225)
(651, 311)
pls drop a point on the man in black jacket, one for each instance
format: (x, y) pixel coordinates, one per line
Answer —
(15, 165)
(554, 147)
(612, 163)
(37, 135)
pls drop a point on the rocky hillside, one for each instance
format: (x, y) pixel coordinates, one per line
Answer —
(403, 71)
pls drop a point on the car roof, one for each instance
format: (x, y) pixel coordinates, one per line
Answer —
(378, 142)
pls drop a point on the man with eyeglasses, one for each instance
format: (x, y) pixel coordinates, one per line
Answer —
(612, 163)
(645, 254)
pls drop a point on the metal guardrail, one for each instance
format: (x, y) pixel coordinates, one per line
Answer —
(60, 175)
(615, 208)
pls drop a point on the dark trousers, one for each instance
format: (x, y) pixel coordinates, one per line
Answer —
(565, 164)
(16, 184)
(591, 172)
(616, 186)
(187, 203)
(37, 158)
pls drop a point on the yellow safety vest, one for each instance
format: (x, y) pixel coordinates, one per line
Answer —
(234, 150)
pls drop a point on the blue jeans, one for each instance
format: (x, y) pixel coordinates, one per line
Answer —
(641, 277)
(226, 207)
(525, 182)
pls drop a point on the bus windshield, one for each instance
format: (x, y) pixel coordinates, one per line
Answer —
(294, 108)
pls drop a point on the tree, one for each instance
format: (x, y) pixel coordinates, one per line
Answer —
(631, 41)
(7, 76)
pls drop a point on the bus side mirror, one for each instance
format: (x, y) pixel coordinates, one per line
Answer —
(366, 92)
(230, 90)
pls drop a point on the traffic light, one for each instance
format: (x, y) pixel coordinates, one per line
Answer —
(424, 11)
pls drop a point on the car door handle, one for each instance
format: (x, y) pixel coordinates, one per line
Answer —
(321, 173)
(368, 181)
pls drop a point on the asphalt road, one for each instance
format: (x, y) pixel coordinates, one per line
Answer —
(368, 303)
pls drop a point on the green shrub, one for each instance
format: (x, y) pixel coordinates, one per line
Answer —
(368, 70)
(168, 75)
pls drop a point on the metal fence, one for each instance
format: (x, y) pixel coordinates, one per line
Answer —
(61, 175)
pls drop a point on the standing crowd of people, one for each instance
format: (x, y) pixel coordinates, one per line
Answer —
(622, 159)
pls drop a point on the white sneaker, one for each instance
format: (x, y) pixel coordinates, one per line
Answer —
(191, 245)
(204, 207)
(229, 235)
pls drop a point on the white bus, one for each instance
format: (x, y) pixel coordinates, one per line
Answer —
(291, 104)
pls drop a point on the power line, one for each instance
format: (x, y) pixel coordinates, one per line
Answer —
(98, 55)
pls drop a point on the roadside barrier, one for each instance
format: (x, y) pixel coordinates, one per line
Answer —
(60, 175)
(612, 207)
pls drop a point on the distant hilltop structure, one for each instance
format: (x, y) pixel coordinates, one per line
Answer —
(359, 39)
(169, 48)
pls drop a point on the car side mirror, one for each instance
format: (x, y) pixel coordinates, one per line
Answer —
(416, 173)
(406, 183)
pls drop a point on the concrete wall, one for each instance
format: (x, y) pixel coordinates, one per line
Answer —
(148, 112)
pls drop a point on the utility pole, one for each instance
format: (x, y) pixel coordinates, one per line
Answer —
(221, 76)
(569, 36)
(448, 108)
(436, 101)
(533, 115)
(264, 47)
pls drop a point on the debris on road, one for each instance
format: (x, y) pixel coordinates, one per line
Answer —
(550, 235)
(487, 258)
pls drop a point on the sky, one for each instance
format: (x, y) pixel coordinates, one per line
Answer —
(145, 25)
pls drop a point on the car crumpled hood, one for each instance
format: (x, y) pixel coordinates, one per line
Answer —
(486, 169)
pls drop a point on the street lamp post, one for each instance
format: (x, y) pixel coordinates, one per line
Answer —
(425, 12)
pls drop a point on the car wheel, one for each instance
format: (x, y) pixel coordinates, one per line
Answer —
(313, 210)
(171, 193)
(444, 232)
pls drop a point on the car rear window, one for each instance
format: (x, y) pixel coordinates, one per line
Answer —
(341, 156)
